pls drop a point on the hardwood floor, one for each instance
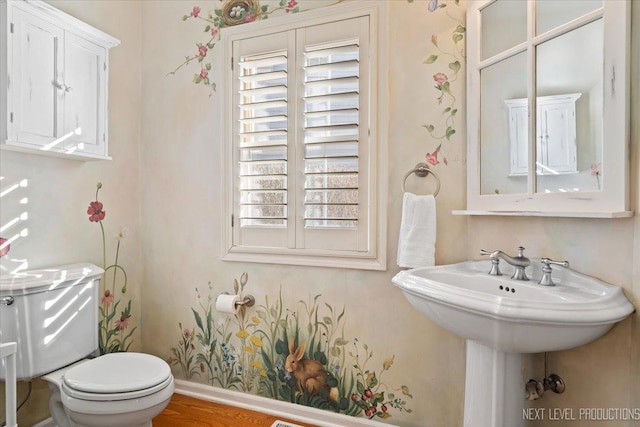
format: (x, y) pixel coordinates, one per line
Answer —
(185, 411)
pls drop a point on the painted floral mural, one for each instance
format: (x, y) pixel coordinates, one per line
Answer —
(232, 12)
(114, 321)
(446, 58)
(300, 355)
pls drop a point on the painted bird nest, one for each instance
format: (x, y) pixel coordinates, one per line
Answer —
(236, 12)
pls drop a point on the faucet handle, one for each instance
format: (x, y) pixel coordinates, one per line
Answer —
(546, 279)
(495, 262)
(520, 251)
(546, 263)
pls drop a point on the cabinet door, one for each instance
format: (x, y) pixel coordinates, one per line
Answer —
(36, 98)
(558, 133)
(85, 95)
(519, 137)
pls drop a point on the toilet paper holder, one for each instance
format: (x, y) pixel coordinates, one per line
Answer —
(247, 301)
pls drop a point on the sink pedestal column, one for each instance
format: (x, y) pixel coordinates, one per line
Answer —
(494, 389)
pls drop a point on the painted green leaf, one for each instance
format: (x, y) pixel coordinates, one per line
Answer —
(455, 66)
(207, 28)
(327, 320)
(446, 110)
(335, 351)
(457, 37)
(320, 357)
(429, 128)
(344, 403)
(264, 8)
(449, 133)
(196, 315)
(460, 28)
(281, 347)
(431, 59)
(340, 341)
(218, 12)
(454, 111)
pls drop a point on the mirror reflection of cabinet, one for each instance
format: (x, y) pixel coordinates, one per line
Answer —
(531, 51)
(556, 151)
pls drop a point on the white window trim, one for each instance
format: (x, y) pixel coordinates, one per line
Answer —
(375, 257)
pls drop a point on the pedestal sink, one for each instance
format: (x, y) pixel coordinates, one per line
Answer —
(502, 318)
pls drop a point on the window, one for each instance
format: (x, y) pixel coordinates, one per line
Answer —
(304, 137)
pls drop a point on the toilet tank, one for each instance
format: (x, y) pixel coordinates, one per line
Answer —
(52, 314)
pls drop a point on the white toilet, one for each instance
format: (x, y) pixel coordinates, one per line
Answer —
(53, 316)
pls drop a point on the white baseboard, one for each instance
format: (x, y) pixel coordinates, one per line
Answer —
(46, 423)
(273, 407)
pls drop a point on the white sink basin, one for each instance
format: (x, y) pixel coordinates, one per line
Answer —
(515, 316)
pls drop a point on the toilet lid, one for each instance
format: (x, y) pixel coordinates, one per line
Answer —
(117, 373)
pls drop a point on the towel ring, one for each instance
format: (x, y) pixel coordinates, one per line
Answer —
(422, 170)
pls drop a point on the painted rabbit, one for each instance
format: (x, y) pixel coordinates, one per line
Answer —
(311, 376)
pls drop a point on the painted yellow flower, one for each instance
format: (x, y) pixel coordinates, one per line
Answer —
(256, 341)
(242, 334)
(249, 349)
(263, 373)
(255, 320)
(257, 364)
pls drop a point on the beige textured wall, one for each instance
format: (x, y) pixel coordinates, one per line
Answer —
(60, 190)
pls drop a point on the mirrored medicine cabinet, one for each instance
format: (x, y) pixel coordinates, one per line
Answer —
(548, 108)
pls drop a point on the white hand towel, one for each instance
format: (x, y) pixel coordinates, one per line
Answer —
(417, 241)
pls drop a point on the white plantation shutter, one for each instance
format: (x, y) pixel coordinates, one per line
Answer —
(263, 140)
(331, 118)
(303, 159)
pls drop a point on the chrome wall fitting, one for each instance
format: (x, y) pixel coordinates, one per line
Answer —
(554, 383)
(534, 390)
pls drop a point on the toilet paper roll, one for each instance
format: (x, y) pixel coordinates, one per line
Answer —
(227, 303)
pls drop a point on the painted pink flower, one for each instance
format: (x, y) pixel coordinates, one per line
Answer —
(290, 5)
(4, 246)
(202, 51)
(195, 12)
(595, 169)
(434, 39)
(440, 78)
(214, 32)
(432, 158)
(250, 17)
(204, 73)
(107, 299)
(95, 212)
(123, 322)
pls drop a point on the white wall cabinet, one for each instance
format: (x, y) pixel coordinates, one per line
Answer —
(556, 151)
(54, 82)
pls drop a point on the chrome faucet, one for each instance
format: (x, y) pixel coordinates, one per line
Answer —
(520, 262)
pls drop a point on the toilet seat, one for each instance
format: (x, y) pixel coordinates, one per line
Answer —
(117, 376)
